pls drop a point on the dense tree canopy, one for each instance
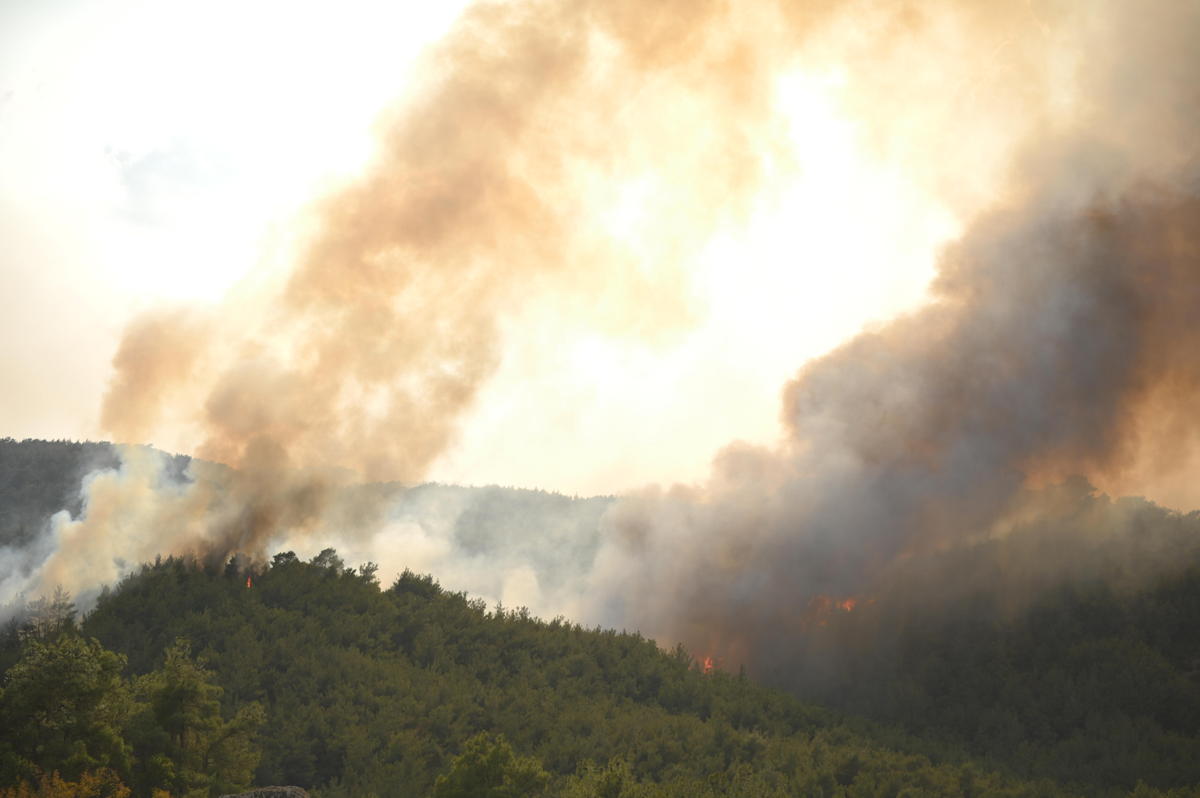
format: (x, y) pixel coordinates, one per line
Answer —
(317, 676)
(185, 680)
(64, 707)
(488, 768)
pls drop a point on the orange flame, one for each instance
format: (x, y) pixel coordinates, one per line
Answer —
(821, 608)
(707, 665)
(249, 584)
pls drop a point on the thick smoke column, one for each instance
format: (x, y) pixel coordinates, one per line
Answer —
(479, 201)
(488, 195)
(1060, 335)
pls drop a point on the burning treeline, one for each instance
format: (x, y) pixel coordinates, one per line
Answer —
(1059, 339)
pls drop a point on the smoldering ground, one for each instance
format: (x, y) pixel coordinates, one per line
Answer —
(1056, 340)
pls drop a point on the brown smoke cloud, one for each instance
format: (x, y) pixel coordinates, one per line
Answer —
(478, 202)
(481, 201)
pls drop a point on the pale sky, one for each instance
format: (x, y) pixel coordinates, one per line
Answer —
(162, 153)
(155, 152)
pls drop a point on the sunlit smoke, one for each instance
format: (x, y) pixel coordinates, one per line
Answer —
(481, 201)
(589, 157)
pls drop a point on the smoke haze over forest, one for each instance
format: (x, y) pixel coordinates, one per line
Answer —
(563, 180)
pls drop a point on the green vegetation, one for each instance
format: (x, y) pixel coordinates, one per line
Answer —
(68, 714)
(184, 744)
(1089, 684)
(1067, 649)
(488, 768)
(316, 676)
(1062, 659)
(64, 707)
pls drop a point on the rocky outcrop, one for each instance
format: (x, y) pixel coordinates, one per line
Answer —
(271, 792)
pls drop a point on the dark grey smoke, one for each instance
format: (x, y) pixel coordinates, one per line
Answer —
(1053, 337)
(1060, 341)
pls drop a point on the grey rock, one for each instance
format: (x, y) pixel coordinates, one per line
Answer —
(271, 792)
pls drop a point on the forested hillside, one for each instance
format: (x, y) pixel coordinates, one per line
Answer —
(1068, 648)
(1089, 685)
(1060, 658)
(195, 680)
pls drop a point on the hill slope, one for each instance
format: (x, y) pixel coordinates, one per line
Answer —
(373, 692)
(1066, 650)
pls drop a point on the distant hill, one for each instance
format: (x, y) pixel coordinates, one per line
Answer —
(1088, 684)
(40, 478)
(552, 536)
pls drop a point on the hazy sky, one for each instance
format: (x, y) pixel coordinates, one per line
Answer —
(154, 152)
(165, 154)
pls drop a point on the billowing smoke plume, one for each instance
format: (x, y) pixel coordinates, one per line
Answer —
(479, 202)
(488, 196)
(1058, 339)
(1051, 338)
